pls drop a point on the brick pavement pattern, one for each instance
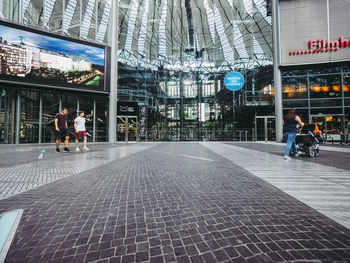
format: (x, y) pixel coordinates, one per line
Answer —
(159, 205)
(21, 170)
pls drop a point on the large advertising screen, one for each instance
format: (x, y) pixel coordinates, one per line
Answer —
(38, 58)
(314, 31)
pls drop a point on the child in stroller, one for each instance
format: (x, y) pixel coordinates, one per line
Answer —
(307, 141)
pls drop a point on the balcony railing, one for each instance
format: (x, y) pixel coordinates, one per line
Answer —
(258, 98)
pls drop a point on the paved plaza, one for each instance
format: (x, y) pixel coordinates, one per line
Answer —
(177, 202)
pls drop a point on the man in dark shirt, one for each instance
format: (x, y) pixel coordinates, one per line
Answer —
(62, 129)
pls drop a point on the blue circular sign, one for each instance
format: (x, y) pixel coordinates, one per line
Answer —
(234, 81)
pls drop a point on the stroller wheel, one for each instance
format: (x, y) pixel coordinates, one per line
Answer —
(311, 152)
(317, 152)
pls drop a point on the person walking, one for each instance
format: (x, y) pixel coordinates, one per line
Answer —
(291, 119)
(62, 129)
(80, 131)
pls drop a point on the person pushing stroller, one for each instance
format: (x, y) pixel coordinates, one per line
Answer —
(291, 119)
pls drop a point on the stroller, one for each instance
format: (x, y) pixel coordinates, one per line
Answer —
(308, 140)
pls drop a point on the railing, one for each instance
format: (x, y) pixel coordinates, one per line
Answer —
(194, 134)
(257, 98)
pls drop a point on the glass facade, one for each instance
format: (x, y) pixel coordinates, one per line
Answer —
(195, 105)
(27, 114)
(33, 111)
(7, 115)
(319, 93)
(171, 61)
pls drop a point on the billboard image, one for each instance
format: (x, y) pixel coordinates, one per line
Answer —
(42, 59)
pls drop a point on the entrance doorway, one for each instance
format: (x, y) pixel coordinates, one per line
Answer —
(265, 128)
(331, 126)
(8, 118)
(127, 129)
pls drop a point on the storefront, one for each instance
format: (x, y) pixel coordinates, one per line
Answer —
(27, 114)
(316, 63)
(41, 74)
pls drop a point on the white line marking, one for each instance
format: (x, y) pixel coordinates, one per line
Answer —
(160, 151)
(194, 157)
(41, 155)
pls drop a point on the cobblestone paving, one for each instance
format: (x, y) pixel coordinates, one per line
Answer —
(161, 205)
(31, 172)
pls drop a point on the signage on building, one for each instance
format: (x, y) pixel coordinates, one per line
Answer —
(234, 81)
(143, 120)
(309, 37)
(317, 46)
(126, 108)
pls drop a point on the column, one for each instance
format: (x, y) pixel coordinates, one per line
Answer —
(276, 70)
(18, 116)
(94, 123)
(126, 129)
(78, 108)
(40, 116)
(20, 12)
(13, 116)
(60, 104)
(199, 83)
(7, 117)
(182, 115)
(112, 125)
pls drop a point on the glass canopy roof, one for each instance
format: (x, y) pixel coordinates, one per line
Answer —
(213, 34)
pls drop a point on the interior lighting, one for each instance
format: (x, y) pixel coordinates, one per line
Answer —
(346, 88)
(329, 118)
(288, 89)
(336, 88)
(325, 88)
(315, 88)
(302, 89)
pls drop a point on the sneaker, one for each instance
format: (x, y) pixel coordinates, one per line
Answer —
(66, 149)
(86, 149)
(57, 150)
(286, 157)
(297, 154)
(77, 149)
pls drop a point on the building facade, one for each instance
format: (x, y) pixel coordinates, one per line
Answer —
(316, 63)
(53, 54)
(172, 65)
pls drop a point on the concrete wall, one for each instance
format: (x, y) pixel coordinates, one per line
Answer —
(305, 20)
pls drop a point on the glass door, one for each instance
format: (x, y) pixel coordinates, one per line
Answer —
(132, 130)
(127, 129)
(121, 129)
(259, 129)
(7, 115)
(265, 128)
(271, 129)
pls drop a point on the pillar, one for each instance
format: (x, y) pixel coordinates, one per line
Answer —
(276, 70)
(112, 125)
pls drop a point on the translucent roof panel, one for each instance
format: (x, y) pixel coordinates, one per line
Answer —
(237, 33)
(178, 33)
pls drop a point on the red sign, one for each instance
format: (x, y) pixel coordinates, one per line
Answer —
(322, 46)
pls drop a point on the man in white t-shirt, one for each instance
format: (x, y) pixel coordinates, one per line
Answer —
(80, 131)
